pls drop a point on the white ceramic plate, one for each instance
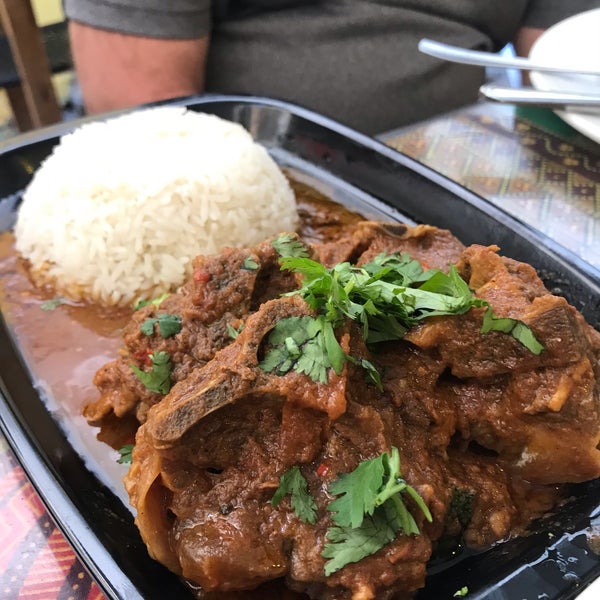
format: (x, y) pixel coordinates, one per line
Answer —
(574, 42)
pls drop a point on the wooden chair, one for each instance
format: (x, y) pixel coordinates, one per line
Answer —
(28, 56)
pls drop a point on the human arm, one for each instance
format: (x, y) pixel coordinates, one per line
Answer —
(525, 38)
(136, 53)
(541, 14)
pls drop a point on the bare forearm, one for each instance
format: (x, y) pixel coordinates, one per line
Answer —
(525, 38)
(117, 70)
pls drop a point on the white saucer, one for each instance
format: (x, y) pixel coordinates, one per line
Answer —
(572, 42)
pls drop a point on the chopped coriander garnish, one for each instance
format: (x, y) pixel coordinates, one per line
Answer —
(369, 511)
(168, 325)
(125, 454)
(147, 327)
(293, 482)
(371, 484)
(518, 330)
(346, 545)
(305, 344)
(250, 264)
(158, 379)
(155, 301)
(52, 304)
(233, 332)
(464, 590)
(287, 245)
(373, 374)
(386, 296)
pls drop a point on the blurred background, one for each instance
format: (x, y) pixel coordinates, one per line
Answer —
(47, 12)
(50, 19)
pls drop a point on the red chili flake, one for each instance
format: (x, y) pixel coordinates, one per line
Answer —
(322, 470)
(201, 276)
(143, 356)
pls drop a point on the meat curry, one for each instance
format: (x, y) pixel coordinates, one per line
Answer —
(480, 433)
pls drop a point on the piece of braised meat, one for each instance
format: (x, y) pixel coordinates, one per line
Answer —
(223, 291)
(474, 415)
(540, 414)
(209, 457)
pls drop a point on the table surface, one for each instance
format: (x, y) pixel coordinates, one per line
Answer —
(528, 162)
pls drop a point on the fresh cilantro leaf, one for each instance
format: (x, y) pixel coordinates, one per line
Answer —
(404, 269)
(147, 327)
(155, 301)
(386, 297)
(250, 264)
(287, 245)
(371, 484)
(448, 284)
(158, 379)
(233, 332)
(464, 590)
(125, 454)
(369, 510)
(293, 482)
(168, 325)
(316, 276)
(52, 304)
(392, 293)
(384, 328)
(372, 372)
(373, 375)
(347, 545)
(306, 345)
(517, 329)
(358, 493)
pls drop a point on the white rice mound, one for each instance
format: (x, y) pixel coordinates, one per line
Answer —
(120, 208)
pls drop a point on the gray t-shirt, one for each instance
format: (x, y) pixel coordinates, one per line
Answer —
(353, 60)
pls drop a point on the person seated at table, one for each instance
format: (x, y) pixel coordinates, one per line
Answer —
(355, 61)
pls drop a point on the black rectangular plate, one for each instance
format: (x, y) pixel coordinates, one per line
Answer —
(554, 563)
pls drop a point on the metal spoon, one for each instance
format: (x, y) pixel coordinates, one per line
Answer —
(489, 59)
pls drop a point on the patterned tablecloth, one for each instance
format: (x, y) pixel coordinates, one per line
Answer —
(36, 562)
(528, 162)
